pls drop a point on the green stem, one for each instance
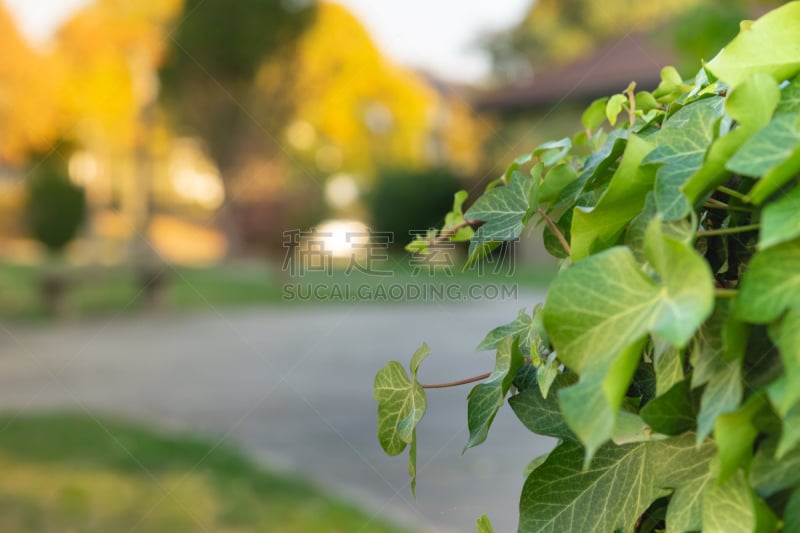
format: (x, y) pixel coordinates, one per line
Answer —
(445, 235)
(561, 238)
(712, 203)
(725, 293)
(456, 383)
(462, 381)
(732, 192)
(728, 231)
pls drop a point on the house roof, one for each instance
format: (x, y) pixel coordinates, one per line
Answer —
(610, 68)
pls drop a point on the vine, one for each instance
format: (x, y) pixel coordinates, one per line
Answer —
(666, 357)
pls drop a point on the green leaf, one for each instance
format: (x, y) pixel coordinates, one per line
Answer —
(780, 220)
(599, 334)
(791, 516)
(790, 416)
(685, 511)
(551, 241)
(416, 360)
(412, 462)
(645, 101)
(591, 406)
(538, 338)
(766, 521)
(401, 406)
(671, 85)
(681, 230)
(622, 483)
(595, 114)
(619, 303)
(768, 45)
(478, 251)
(547, 373)
(670, 75)
(673, 412)
(503, 211)
(768, 474)
(556, 180)
(750, 104)
(728, 508)
(534, 464)
(715, 368)
(552, 152)
(637, 229)
(599, 227)
(681, 146)
(598, 167)
(790, 98)
(543, 415)
(735, 435)
(614, 107)
(487, 398)
(513, 167)
(397, 398)
(786, 335)
(668, 365)
(521, 160)
(516, 327)
(524, 379)
(772, 153)
(533, 193)
(483, 525)
(456, 217)
(770, 290)
(722, 394)
(769, 147)
(421, 243)
(629, 427)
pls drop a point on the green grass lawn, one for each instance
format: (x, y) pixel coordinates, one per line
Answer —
(110, 290)
(66, 473)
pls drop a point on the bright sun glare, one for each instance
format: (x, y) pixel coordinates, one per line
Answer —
(342, 238)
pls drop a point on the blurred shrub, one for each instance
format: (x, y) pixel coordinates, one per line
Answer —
(406, 200)
(701, 31)
(56, 207)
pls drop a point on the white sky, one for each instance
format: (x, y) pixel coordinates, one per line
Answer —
(436, 35)
(39, 18)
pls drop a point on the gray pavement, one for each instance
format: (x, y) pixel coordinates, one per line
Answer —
(293, 388)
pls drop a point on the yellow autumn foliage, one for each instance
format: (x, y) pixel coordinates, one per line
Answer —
(91, 82)
(109, 52)
(28, 89)
(369, 109)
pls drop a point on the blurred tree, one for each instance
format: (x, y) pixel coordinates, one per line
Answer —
(359, 104)
(359, 112)
(89, 86)
(109, 52)
(29, 83)
(216, 51)
(558, 31)
(56, 207)
(704, 29)
(55, 211)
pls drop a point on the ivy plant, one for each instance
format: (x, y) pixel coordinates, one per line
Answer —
(666, 357)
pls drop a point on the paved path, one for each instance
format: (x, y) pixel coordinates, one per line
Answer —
(293, 387)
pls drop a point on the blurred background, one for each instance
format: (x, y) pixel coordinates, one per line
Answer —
(161, 156)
